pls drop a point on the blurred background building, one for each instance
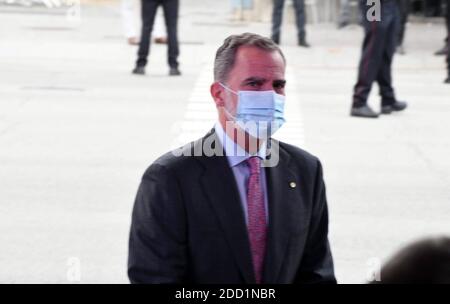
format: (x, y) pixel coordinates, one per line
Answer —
(323, 10)
(318, 11)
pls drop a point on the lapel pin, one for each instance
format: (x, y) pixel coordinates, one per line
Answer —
(292, 184)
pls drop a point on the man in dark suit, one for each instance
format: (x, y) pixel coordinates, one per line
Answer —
(378, 50)
(235, 206)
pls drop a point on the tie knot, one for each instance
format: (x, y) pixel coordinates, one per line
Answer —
(254, 164)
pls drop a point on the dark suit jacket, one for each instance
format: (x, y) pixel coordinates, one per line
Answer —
(188, 224)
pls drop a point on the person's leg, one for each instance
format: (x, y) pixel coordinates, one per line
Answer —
(447, 17)
(129, 20)
(432, 8)
(371, 57)
(171, 17)
(448, 43)
(344, 13)
(448, 40)
(448, 62)
(277, 17)
(404, 12)
(148, 12)
(444, 49)
(384, 76)
(300, 17)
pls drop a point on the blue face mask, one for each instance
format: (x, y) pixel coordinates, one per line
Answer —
(259, 113)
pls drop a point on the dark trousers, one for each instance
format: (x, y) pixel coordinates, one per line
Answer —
(448, 38)
(170, 8)
(378, 51)
(432, 8)
(404, 6)
(447, 19)
(448, 57)
(277, 18)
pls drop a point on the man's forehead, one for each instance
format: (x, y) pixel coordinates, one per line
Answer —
(254, 55)
(259, 71)
(253, 63)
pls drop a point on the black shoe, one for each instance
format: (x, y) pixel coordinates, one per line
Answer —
(174, 72)
(447, 80)
(364, 111)
(139, 70)
(397, 106)
(304, 44)
(442, 51)
(276, 40)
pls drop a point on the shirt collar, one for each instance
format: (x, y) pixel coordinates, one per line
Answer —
(235, 154)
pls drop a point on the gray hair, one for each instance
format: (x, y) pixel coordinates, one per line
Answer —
(226, 54)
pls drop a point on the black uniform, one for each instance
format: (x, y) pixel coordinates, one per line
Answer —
(377, 52)
(444, 50)
(448, 60)
(448, 40)
(149, 8)
(404, 6)
(447, 18)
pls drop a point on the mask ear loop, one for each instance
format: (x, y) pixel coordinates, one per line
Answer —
(225, 109)
(229, 114)
(227, 88)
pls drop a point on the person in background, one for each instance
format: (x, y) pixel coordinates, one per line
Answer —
(404, 7)
(300, 17)
(344, 14)
(131, 22)
(444, 49)
(432, 8)
(129, 11)
(423, 262)
(148, 10)
(448, 55)
(378, 50)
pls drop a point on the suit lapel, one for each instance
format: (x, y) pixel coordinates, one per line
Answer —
(220, 187)
(281, 203)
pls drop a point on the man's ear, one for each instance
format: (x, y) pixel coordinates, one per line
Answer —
(217, 94)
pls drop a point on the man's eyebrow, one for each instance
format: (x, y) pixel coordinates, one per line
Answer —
(254, 79)
(279, 81)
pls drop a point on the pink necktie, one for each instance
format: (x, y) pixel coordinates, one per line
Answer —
(257, 229)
